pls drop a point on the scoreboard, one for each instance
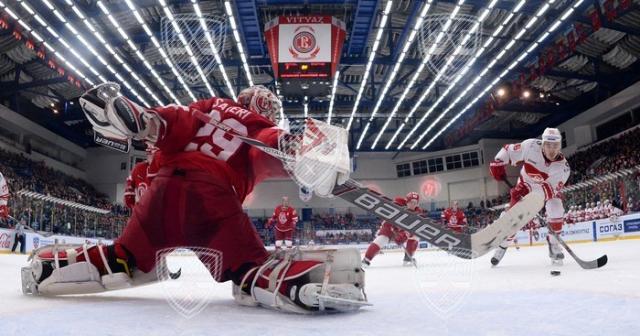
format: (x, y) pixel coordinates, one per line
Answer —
(315, 70)
(305, 47)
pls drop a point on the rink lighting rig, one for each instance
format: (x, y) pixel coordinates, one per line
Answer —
(367, 69)
(236, 37)
(430, 88)
(495, 81)
(99, 56)
(60, 39)
(466, 68)
(185, 44)
(405, 48)
(502, 53)
(333, 95)
(155, 42)
(417, 73)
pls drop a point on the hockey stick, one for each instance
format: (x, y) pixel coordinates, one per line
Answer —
(591, 264)
(463, 245)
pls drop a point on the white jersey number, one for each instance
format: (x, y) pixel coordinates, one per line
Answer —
(222, 145)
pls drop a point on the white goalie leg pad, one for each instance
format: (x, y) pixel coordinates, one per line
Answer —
(76, 277)
(335, 285)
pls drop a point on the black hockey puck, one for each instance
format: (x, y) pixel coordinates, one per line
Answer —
(555, 273)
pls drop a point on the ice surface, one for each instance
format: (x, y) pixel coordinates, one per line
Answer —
(519, 297)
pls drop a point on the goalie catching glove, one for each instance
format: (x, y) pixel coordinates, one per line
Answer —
(115, 117)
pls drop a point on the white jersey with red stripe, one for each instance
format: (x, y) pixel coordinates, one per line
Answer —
(588, 214)
(538, 174)
(4, 191)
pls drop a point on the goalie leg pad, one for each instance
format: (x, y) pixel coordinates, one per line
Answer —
(305, 282)
(74, 269)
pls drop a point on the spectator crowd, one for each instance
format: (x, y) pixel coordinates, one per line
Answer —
(336, 228)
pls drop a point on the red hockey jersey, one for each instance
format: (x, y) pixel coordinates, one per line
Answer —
(285, 218)
(188, 143)
(454, 219)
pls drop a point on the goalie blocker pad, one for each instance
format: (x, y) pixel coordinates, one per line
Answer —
(463, 245)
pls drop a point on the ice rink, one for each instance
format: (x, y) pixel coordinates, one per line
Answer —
(519, 297)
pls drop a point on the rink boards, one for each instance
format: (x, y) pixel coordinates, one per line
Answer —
(626, 227)
(34, 240)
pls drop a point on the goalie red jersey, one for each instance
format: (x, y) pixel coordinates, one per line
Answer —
(184, 138)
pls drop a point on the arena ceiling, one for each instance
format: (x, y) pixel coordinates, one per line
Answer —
(534, 63)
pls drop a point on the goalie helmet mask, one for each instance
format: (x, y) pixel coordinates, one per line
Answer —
(261, 100)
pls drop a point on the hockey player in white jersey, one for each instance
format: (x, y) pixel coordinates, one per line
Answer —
(4, 198)
(545, 171)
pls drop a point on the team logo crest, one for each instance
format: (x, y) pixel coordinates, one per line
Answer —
(186, 276)
(449, 44)
(446, 283)
(36, 242)
(304, 46)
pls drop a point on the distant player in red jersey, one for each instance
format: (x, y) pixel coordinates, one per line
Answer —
(454, 218)
(140, 179)
(196, 201)
(284, 221)
(388, 232)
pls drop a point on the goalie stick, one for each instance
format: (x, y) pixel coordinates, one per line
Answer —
(590, 264)
(463, 245)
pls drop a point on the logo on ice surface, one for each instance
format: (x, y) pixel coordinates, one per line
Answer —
(187, 284)
(446, 283)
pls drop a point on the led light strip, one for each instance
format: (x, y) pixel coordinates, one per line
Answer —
(533, 46)
(236, 36)
(93, 51)
(215, 50)
(426, 93)
(372, 55)
(479, 53)
(37, 36)
(396, 68)
(333, 94)
(139, 54)
(183, 40)
(281, 103)
(457, 79)
(426, 59)
(68, 47)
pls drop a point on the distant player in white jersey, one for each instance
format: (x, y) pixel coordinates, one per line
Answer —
(4, 198)
(545, 171)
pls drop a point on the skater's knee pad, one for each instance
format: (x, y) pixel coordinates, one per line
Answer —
(381, 241)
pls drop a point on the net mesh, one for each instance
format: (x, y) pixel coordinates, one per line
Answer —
(191, 41)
